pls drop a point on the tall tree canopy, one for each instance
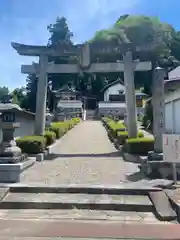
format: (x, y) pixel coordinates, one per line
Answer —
(4, 92)
(143, 30)
(59, 32)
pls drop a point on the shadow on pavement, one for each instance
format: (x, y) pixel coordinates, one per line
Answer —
(134, 177)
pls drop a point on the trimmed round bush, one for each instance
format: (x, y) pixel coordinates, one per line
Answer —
(123, 135)
(57, 130)
(31, 144)
(60, 128)
(50, 137)
(139, 145)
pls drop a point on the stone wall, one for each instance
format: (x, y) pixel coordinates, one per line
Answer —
(115, 108)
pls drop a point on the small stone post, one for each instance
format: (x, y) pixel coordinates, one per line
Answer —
(41, 96)
(158, 107)
(49, 117)
(130, 94)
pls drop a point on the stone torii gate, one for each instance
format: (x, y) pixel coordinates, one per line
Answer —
(85, 51)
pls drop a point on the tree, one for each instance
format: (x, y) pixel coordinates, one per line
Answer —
(19, 97)
(31, 91)
(143, 30)
(59, 32)
(4, 92)
(139, 30)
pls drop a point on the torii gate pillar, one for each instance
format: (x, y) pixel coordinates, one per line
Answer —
(130, 95)
(158, 107)
(41, 96)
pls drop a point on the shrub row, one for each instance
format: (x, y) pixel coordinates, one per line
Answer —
(37, 144)
(118, 133)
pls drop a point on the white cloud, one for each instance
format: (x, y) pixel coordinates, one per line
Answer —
(84, 18)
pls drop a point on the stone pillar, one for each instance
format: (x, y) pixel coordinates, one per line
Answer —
(85, 56)
(158, 107)
(130, 94)
(40, 118)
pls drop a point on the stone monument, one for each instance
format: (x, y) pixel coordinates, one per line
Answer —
(9, 152)
(158, 113)
(49, 118)
(12, 161)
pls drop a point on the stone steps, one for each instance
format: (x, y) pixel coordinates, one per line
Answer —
(79, 201)
(98, 200)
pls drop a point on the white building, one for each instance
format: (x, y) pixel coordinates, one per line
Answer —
(114, 99)
(172, 102)
(26, 120)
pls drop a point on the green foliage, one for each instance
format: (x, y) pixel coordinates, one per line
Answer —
(140, 140)
(63, 125)
(60, 128)
(31, 144)
(4, 93)
(31, 89)
(76, 120)
(116, 126)
(143, 30)
(37, 144)
(106, 119)
(123, 135)
(57, 130)
(139, 145)
(113, 127)
(50, 137)
(59, 32)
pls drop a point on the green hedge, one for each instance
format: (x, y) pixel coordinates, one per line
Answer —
(50, 137)
(32, 144)
(113, 127)
(123, 135)
(139, 145)
(37, 144)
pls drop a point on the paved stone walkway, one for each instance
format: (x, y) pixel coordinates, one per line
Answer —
(84, 155)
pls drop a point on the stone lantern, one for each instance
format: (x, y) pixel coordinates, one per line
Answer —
(9, 152)
(49, 118)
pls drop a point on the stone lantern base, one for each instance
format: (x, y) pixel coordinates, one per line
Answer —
(9, 152)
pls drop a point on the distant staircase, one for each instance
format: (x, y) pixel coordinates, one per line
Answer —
(91, 114)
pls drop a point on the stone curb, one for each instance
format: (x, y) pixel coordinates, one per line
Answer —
(78, 204)
(127, 189)
(174, 201)
(11, 173)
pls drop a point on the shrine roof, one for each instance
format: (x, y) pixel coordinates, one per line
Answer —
(96, 48)
(112, 84)
(37, 50)
(9, 107)
(174, 75)
(65, 88)
(4, 107)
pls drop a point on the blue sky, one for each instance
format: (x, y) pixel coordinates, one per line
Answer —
(26, 21)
